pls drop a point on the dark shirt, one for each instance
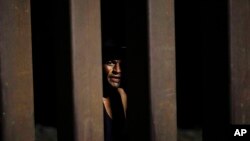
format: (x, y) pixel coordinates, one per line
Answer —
(107, 127)
(115, 129)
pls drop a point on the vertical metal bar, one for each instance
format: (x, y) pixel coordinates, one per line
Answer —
(240, 60)
(87, 69)
(162, 70)
(17, 116)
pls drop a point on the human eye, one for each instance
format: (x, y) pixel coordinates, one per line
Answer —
(110, 63)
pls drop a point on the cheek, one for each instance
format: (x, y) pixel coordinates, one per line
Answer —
(107, 69)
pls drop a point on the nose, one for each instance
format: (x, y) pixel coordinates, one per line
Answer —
(117, 68)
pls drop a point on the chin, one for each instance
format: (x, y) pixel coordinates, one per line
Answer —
(115, 85)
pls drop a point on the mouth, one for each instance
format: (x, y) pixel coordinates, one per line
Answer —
(115, 79)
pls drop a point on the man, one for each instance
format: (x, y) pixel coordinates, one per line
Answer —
(115, 97)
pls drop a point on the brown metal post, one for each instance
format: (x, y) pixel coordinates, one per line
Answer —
(87, 70)
(162, 70)
(240, 61)
(16, 84)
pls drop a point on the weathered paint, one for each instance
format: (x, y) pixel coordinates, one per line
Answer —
(17, 114)
(240, 60)
(87, 69)
(162, 70)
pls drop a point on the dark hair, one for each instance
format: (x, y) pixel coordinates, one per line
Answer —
(113, 49)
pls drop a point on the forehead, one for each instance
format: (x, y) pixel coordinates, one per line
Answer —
(114, 60)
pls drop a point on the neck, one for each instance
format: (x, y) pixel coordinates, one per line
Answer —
(107, 101)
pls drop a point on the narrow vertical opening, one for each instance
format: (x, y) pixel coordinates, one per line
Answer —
(114, 67)
(52, 70)
(188, 71)
(124, 25)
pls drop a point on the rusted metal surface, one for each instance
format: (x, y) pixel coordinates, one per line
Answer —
(240, 61)
(162, 70)
(87, 69)
(17, 121)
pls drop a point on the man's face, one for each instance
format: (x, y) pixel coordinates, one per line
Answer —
(112, 70)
